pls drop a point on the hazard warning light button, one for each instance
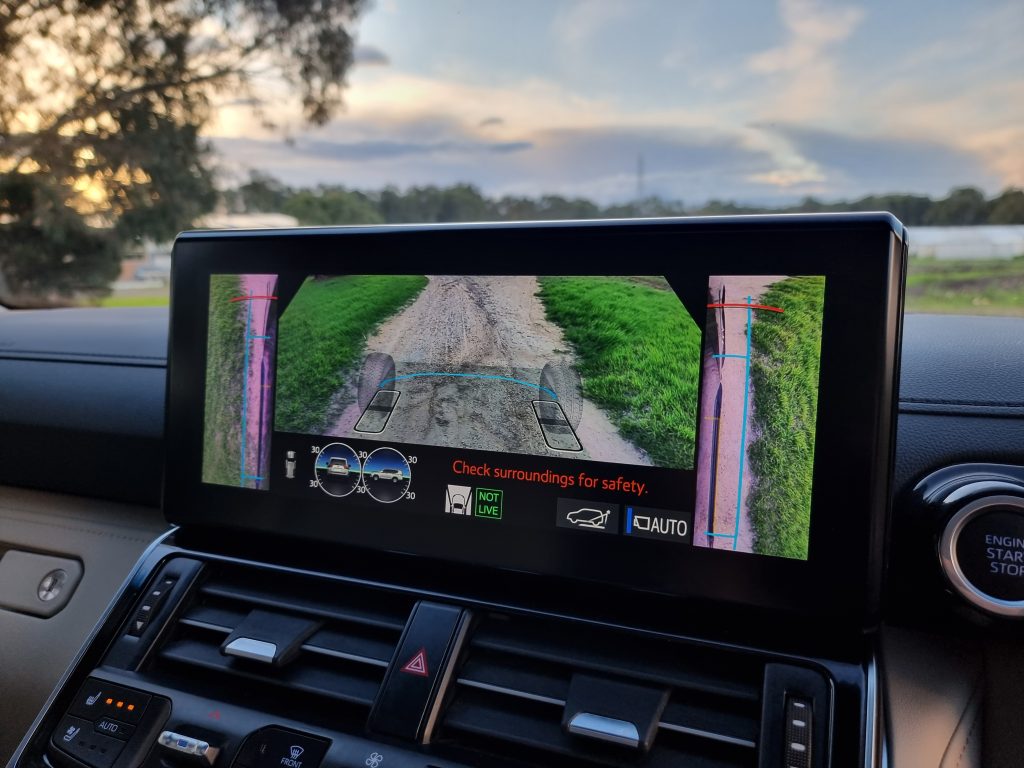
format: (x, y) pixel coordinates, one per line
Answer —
(417, 665)
(405, 705)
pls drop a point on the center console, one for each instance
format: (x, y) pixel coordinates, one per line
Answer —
(611, 493)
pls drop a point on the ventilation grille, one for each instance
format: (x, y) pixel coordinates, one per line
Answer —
(343, 661)
(510, 694)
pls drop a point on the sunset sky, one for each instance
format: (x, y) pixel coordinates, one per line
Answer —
(755, 101)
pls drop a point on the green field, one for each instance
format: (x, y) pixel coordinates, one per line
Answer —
(785, 359)
(638, 355)
(322, 334)
(966, 286)
(129, 300)
(224, 374)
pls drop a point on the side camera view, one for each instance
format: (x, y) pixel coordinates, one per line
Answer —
(602, 368)
(758, 412)
(239, 380)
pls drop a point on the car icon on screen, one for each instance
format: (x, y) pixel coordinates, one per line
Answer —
(588, 518)
(338, 466)
(394, 475)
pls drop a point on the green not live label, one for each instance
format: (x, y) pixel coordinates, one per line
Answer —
(488, 503)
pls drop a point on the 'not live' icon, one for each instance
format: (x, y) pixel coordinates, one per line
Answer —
(417, 665)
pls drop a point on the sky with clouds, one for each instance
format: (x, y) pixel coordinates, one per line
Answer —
(749, 100)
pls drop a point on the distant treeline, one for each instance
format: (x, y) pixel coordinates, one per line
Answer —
(329, 204)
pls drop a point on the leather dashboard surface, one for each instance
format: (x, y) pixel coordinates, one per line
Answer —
(88, 386)
(107, 538)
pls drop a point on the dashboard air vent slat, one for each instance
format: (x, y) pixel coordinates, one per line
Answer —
(310, 677)
(511, 691)
(344, 660)
(660, 663)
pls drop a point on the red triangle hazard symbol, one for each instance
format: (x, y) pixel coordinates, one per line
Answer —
(417, 665)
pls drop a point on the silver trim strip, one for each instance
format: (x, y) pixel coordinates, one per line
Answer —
(205, 625)
(446, 676)
(707, 735)
(342, 655)
(951, 563)
(605, 729)
(511, 692)
(874, 732)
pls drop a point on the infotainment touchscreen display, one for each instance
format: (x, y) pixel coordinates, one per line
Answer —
(596, 404)
(697, 408)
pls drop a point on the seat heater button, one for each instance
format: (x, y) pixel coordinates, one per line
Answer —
(77, 738)
(97, 699)
(108, 726)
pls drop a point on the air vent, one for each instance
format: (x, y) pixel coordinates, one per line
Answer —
(511, 692)
(343, 661)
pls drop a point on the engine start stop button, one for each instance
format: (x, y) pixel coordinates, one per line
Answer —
(982, 553)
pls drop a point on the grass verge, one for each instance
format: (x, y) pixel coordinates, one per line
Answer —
(221, 429)
(127, 300)
(785, 360)
(323, 332)
(966, 286)
(638, 355)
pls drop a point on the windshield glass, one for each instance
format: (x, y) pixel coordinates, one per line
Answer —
(125, 122)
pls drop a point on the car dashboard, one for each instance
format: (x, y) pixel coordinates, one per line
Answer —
(234, 646)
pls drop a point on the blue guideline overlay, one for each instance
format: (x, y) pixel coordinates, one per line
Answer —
(470, 376)
(242, 476)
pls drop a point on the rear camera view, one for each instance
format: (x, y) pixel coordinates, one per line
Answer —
(239, 379)
(598, 368)
(758, 412)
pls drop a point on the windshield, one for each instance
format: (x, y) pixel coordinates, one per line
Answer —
(125, 122)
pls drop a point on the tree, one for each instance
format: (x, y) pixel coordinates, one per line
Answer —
(331, 205)
(263, 193)
(101, 108)
(964, 206)
(1008, 208)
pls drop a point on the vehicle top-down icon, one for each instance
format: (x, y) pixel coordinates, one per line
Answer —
(588, 517)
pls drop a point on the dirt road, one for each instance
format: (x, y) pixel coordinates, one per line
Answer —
(725, 437)
(256, 311)
(482, 328)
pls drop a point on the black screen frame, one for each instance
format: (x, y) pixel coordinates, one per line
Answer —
(863, 258)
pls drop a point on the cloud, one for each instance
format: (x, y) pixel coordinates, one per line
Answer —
(376, 150)
(804, 66)
(580, 22)
(855, 165)
(369, 56)
(812, 28)
(598, 163)
(796, 102)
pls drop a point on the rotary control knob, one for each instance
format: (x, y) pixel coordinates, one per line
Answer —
(982, 554)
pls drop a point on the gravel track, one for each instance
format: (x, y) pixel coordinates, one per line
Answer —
(481, 325)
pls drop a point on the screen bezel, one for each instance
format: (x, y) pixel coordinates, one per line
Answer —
(862, 258)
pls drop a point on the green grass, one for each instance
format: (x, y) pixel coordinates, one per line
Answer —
(785, 359)
(638, 355)
(322, 334)
(156, 300)
(221, 430)
(966, 286)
